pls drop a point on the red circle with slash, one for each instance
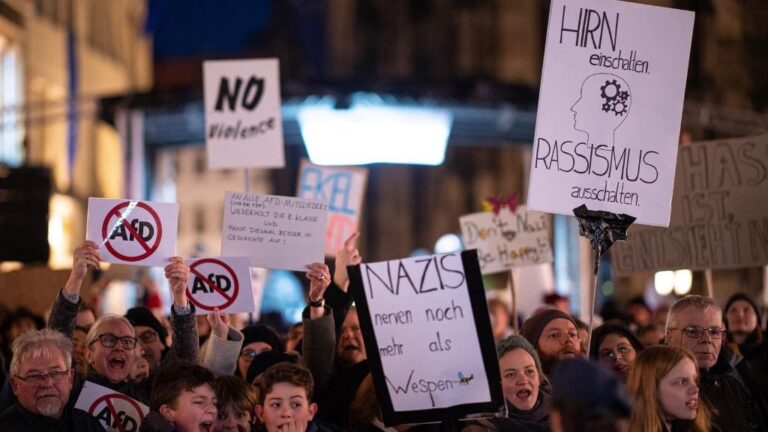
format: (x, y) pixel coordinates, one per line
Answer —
(148, 250)
(108, 400)
(228, 299)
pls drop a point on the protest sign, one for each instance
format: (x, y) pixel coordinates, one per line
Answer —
(275, 232)
(719, 214)
(610, 107)
(133, 232)
(243, 122)
(222, 282)
(343, 189)
(115, 411)
(417, 316)
(507, 239)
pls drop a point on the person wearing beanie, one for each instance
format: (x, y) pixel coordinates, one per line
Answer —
(585, 396)
(150, 333)
(743, 320)
(257, 339)
(553, 334)
(615, 347)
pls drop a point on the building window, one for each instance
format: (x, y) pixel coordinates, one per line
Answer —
(11, 101)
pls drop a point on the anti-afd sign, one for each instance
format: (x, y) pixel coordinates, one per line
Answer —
(507, 239)
(719, 214)
(610, 107)
(343, 189)
(133, 232)
(221, 282)
(115, 411)
(417, 316)
(243, 122)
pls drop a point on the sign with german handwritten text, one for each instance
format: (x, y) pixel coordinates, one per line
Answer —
(507, 239)
(719, 214)
(343, 188)
(276, 232)
(610, 107)
(428, 337)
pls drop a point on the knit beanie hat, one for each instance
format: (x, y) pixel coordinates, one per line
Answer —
(747, 298)
(262, 333)
(264, 360)
(534, 326)
(141, 316)
(514, 342)
(591, 386)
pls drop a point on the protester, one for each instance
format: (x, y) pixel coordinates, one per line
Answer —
(257, 339)
(236, 405)
(554, 335)
(665, 387)
(587, 398)
(525, 387)
(183, 399)
(651, 334)
(150, 333)
(42, 381)
(696, 324)
(743, 320)
(500, 319)
(615, 347)
(639, 312)
(582, 331)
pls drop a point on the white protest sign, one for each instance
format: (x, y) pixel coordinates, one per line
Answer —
(431, 335)
(275, 232)
(506, 240)
(133, 232)
(221, 282)
(610, 107)
(343, 189)
(115, 411)
(243, 122)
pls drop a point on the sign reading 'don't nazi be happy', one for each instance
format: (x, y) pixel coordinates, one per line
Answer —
(133, 232)
(243, 122)
(276, 232)
(610, 107)
(115, 411)
(417, 316)
(221, 282)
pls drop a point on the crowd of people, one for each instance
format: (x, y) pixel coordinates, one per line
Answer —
(700, 367)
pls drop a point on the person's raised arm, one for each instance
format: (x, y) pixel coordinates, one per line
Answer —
(220, 352)
(67, 302)
(319, 341)
(337, 295)
(185, 345)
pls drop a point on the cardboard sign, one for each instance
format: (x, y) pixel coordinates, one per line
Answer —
(343, 189)
(719, 214)
(506, 240)
(133, 232)
(610, 107)
(223, 283)
(115, 411)
(428, 337)
(275, 232)
(243, 122)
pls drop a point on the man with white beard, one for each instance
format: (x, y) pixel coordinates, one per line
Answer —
(41, 379)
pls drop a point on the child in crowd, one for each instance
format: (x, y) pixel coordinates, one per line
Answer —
(236, 403)
(183, 399)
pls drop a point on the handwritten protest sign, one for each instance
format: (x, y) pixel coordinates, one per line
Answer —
(610, 108)
(114, 410)
(506, 240)
(719, 214)
(343, 189)
(275, 232)
(243, 122)
(221, 282)
(133, 232)
(417, 317)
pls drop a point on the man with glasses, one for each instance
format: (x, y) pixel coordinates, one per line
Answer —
(150, 333)
(696, 324)
(42, 381)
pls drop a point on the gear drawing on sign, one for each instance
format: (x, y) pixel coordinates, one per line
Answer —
(603, 105)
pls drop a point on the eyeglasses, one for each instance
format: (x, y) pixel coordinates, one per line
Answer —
(621, 350)
(696, 332)
(249, 354)
(40, 379)
(148, 336)
(108, 340)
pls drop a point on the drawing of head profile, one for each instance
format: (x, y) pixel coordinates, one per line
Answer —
(602, 107)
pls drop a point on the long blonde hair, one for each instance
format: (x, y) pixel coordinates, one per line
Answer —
(651, 365)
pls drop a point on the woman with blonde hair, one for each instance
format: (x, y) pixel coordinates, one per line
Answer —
(664, 384)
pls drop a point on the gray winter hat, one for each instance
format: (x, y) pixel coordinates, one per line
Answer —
(514, 342)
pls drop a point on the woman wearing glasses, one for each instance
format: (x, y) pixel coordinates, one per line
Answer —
(664, 384)
(615, 347)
